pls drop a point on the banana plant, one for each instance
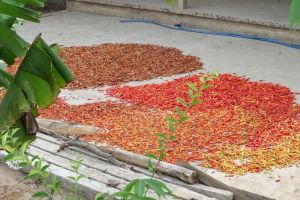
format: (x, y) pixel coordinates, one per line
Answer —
(40, 75)
(294, 16)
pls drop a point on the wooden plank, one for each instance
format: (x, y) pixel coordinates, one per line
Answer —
(210, 181)
(197, 187)
(181, 173)
(89, 172)
(98, 177)
(67, 128)
(50, 148)
(88, 187)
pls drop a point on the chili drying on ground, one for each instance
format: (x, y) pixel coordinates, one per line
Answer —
(242, 126)
(111, 64)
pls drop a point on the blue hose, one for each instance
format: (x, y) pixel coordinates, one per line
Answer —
(178, 27)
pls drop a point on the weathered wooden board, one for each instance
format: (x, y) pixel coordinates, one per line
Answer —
(238, 194)
(89, 187)
(199, 188)
(184, 174)
(100, 170)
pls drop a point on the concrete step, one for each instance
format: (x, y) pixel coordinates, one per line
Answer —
(195, 16)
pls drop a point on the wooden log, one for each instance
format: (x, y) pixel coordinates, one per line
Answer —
(210, 181)
(67, 128)
(199, 188)
(89, 187)
(49, 152)
(181, 173)
(186, 175)
(91, 148)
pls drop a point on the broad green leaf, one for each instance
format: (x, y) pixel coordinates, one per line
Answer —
(80, 177)
(5, 79)
(150, 165)
(150, 155)
(172, 137)
(182, 101)
(171, 119)
(7, 56)
(192, 86)
(38, 3)
(139, 188)
(142, 198)
(19, 12)
(124, 194)
(171, 126)
(7, 20)
(214, 74)
(180, 112)
(40, 194)
(45, 167)
(195, 102)
(205, 86)
(191, 94)
(156, 186)
(161, 136)
(203, 79)
(36, 83)
(58, 64)
(294, 15)
(130, 185)
(162, 156)
(100, 197)
(10, 40)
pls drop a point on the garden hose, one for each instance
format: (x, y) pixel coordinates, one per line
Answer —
(179, 27)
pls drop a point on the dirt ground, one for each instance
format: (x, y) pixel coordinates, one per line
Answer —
(13, 186)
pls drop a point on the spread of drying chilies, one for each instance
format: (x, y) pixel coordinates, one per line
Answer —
(111, 64)
(241, 126)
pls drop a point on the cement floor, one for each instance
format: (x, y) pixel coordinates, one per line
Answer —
(256, 60)
(262, 12)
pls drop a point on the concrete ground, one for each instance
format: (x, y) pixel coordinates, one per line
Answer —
(266, 11)
(256, 60)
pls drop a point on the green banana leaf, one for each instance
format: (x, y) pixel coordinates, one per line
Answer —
(36, 84)
(11, 44)
(294, 16)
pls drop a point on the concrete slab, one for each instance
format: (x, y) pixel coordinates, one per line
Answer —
(268, 12)
(213, 18)
(257, 60)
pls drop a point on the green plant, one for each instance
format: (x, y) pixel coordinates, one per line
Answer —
(39, 78)
(294, 15)
(51, 185)
(75, 194)
(39, 173)
(19, 159)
